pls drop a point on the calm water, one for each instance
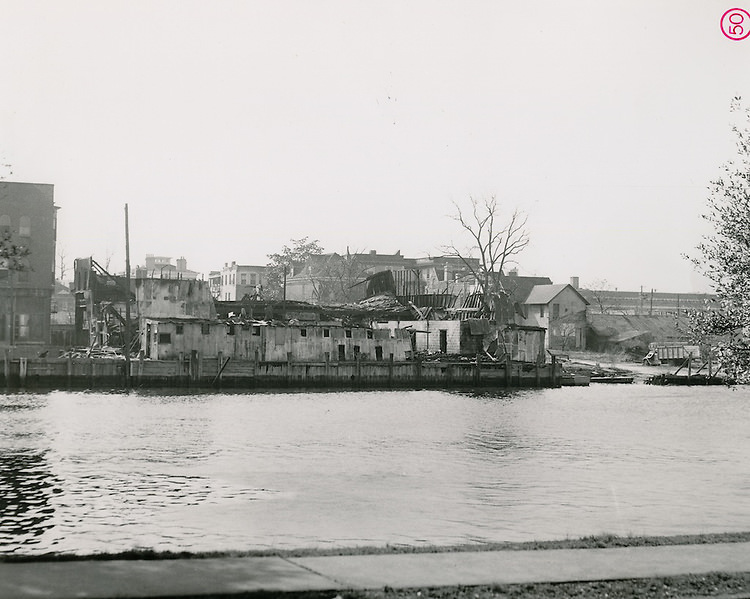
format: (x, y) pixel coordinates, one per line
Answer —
(90, 472)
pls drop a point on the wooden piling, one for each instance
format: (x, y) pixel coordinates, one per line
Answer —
(22, 369)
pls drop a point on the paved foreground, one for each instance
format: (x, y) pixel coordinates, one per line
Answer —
(228, 576)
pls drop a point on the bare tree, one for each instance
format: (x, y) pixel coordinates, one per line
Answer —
(107, 258)
(495, 240)
(335, 278)
(7, 167)
(61, 256)
(14, 259)
(600, 292)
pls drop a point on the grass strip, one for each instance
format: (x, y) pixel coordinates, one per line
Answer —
(590, 542)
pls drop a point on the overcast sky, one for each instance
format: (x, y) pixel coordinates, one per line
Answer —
(232, 127)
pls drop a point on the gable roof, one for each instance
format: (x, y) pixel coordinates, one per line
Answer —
(544, 294)
(518, 287)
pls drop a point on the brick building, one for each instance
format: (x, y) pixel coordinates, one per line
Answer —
(29, 214)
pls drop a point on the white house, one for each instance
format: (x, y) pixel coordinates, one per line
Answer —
(553, 307)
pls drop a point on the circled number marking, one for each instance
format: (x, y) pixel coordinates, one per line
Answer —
(735, 24)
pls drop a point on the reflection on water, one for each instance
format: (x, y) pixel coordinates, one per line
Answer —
(89, 472)
(26, 487)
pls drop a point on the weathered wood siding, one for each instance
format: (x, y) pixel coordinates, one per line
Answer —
(193, 372)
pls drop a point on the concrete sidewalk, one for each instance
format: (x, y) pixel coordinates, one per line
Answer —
(227, 576)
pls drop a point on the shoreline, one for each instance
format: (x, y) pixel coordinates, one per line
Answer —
(591, 567)
(589, 542)
(613, 365)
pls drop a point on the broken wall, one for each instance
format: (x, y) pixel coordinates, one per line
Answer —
(169, 298)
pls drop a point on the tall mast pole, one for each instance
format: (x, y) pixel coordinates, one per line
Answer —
(127, 301)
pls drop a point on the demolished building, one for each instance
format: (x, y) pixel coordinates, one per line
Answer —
(101, 298)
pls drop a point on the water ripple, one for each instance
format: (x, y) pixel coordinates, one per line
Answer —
(88, 472)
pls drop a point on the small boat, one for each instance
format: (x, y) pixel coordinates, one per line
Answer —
(696, 379)
(574, 380)
(612, 379)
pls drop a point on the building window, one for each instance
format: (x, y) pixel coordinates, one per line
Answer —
(165, 338)
(243, 279)
(179, 329)
(541, 310)
(356, 351)
(303, 332)
(379, 352)
(348, 333)
(23, 329)
(4, 223)
(24, 227)
(326, 332)
(253, 279)
(369, 333)
(230, 329)
(555, 310)
(256, 331)
(205, 328)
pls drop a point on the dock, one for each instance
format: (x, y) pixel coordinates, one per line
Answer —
(226, 373)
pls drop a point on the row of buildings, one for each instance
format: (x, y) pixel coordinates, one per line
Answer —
(340, 305)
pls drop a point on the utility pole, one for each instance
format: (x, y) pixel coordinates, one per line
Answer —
(127, 301)
(283, 297)
(12, 308)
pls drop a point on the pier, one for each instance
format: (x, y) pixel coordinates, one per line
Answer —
(194, 372)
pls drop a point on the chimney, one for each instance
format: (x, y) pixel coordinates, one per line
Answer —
(373, 252)
(574, 282)
(513, 272)
(181, 264)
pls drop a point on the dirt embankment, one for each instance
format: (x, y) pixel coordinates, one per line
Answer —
(596, 364)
